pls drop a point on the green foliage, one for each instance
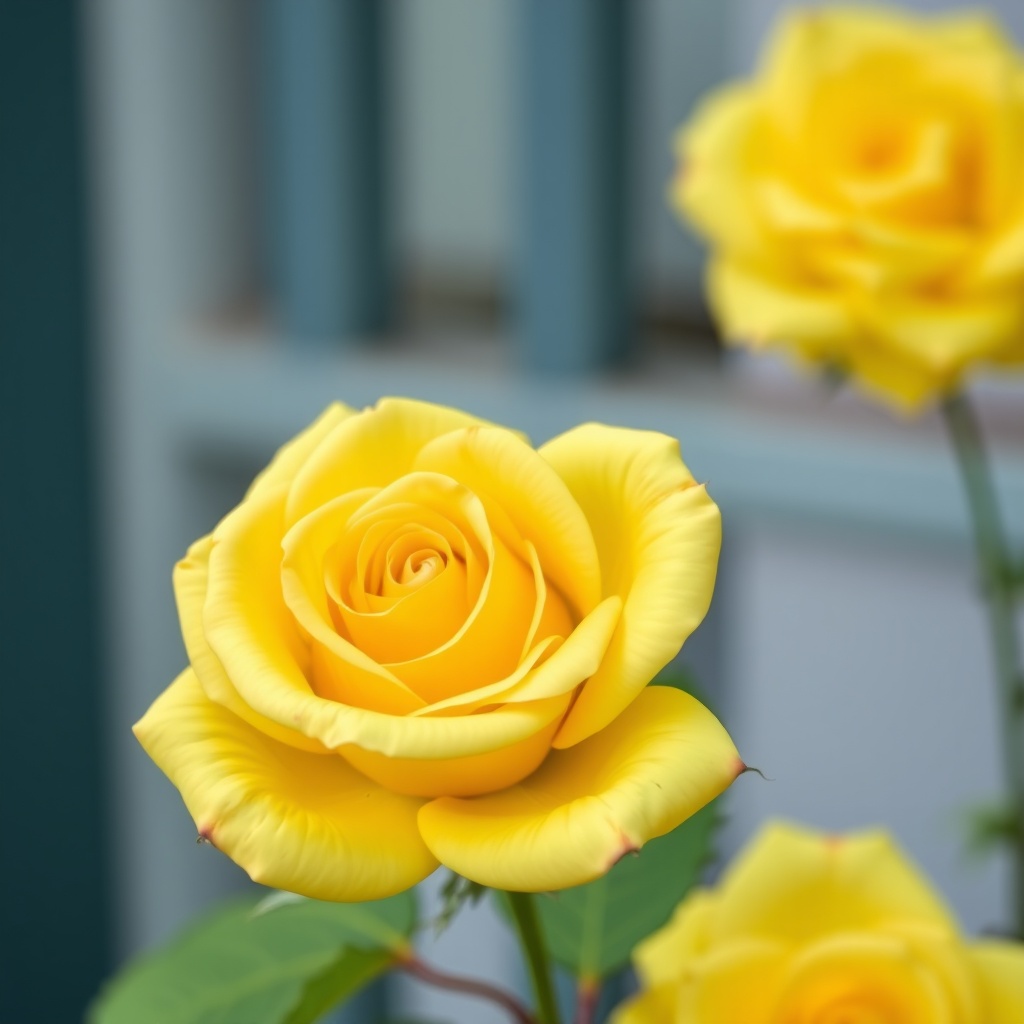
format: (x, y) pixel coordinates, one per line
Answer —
(284, 960)
(455, 894)
(989, 826)
(592, 929)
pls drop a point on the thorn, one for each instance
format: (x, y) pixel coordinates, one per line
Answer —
(750, 768)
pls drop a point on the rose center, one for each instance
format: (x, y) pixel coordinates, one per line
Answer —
(420, 567)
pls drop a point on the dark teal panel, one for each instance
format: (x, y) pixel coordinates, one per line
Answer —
(55, 900)
(327, 130)
(573, 301)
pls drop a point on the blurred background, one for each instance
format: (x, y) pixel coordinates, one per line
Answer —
(217, 216)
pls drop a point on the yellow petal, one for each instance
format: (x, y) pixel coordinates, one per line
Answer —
(456, 776)
(662, 759)
(902, 383)
(291, 457)
(757, 308)
(796, 885)
(548, 670)
(945, 957)
(875, 973)
(307, 823)
(266, 660)
(1001, 259)
(716, 150)
(371, 449)
(190, 585)
(999, 967)
(790, 211)
(662, 957)
(497, 465)
(658, 535)
(655, 1006)
(944, 336)
(338, 669)
(735, 983)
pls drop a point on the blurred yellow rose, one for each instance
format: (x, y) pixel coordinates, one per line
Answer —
(814, 929)
(406, 613)
(862, 197)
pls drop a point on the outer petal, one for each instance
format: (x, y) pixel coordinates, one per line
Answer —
(303, 822)
(191, 577)
(735, 983)
(664, 758)
(1000, 968)
(943, 337)
(715, 152)
(796, 885)
(755, 308)
(655, 1006)
(291, 457)
(658, 535)
(661, 957)
(372, 449)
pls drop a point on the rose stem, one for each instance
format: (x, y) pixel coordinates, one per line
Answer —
(588, 992)
(995, 567)
(524, 913)
(469, 986)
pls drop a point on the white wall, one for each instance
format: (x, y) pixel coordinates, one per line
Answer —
(861, 685)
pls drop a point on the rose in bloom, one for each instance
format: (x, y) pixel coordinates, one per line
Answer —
(862, 198)
(815, 929)
(419, 640)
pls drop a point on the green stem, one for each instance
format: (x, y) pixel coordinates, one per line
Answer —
(530, 938)
(996, 568)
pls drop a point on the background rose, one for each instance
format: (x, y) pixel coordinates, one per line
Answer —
(815, 928)
(406, 613)
(862, 197)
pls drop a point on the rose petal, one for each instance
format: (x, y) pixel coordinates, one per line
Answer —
(340, 671)
(760, 309)
(876, 972)
(190, 584)
(658, 536)
(736, 983)
(653, 1006)
(456, 776)
(795, 885)
(307, 823)
(562, 669)
(660, 761)
(999, 966)
(716, 150)
(497, 465)
(661, 957)
(371, 449)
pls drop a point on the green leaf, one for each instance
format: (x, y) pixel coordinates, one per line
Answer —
(592, 929)
(284, 960)
(989, 826)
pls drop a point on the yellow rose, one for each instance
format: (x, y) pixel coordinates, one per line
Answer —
(406, 613)
(813, 929)
(862, 198)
